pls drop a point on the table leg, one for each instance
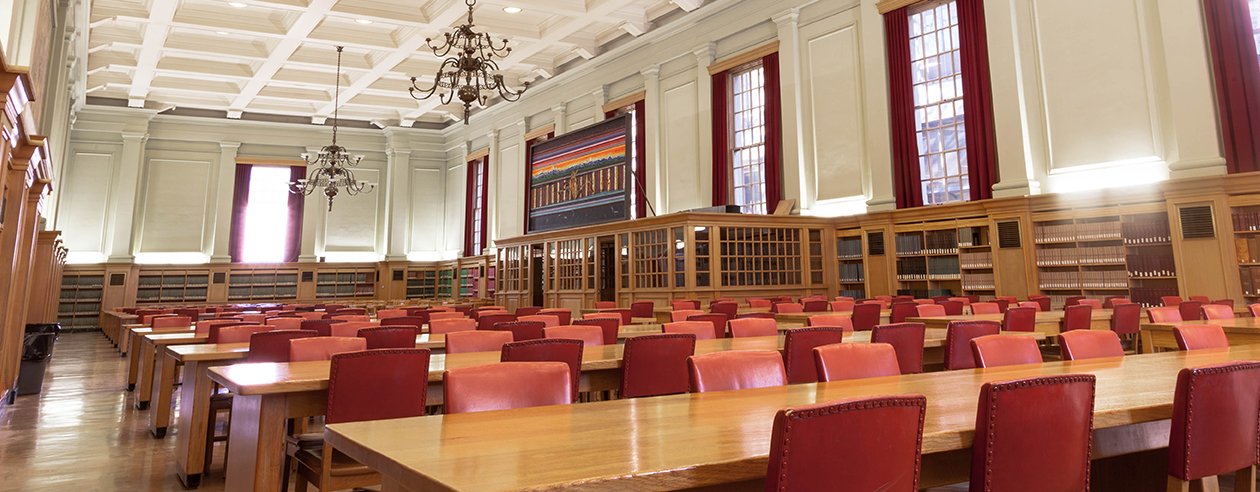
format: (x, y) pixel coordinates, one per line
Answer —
(1148, 345)
(256, 460)
(147, 358)
(163, 391)
(133, 363)
(194, 414)
(125, 341)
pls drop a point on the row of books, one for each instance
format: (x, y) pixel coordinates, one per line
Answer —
(173, 280)
(1151, 296)
(176, 293)
(1246, 221)
(81, 294)
(82, 307)
(83, 281)
(912, 269)
(1250, 277)
(1080, 256)
(940, 242)
(924, 293)
(854, 293)
(977, 281)
(79, 322)
(263, 279)
(1144, 266)
(909, 245)
(972, 236)
(1106, 279)
(849, 248)
(1247, 249)
(981, 259)
(852, 272)
(1152, 232)
(943, 267)
(1085, 231)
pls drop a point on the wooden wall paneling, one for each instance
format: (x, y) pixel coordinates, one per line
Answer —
(1203, 265)
(881, 274)
(45, 292)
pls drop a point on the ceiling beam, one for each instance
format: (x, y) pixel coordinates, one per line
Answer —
(158, 25)
(302, 27)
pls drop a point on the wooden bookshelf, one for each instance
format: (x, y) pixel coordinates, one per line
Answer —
(172, 286)
(421, 283)
(1104, 252)
(345, 283)
(1246, 227)
(263, 284)
(851, 263)
(445, 283)
(80, 300)
(929, 258)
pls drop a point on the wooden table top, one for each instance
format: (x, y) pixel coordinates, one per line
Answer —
(701, 439)
(1235, 325)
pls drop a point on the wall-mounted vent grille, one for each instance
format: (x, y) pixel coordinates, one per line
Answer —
(308, 276)
(220, 277)
(1197, 223)
(875, 243)
(117, 279)
(399, 275)
(1008, 234)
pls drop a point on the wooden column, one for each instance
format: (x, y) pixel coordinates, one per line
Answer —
(45, 280)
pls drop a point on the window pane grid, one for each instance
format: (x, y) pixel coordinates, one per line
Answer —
(631, 148)
(938, 104)
(479, 187)
(748, 152)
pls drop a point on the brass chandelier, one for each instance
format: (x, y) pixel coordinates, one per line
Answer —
(472, 75)
(334, 162)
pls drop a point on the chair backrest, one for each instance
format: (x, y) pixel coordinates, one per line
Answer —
(1126, 319)
(1170, 301)
(384, 314)
(839, 320)
(1164, 314)
(506, 386)
(844, 361)
(1078, 317)
(416, 321)
(623, 313)
(985, 308)
(653, 365)
(678, 304)
(548, 320)
(1202, 299)
(730, 309)
(527, 311)
(907, 340)
(461, 342)
(311, 315)
(798, 351)
(735, 369)
(1110, 302)
(548, 350)
(754, 315)
(965, 300)
(389, 337)
(952, 308)
(1196, 337)
(815, 306)
(1031, 304)
(1005, 350)
(923, 302)
(1019, 319)
(354, 318)
(522, 330)
(565, 316)
(173, 323)
(958, 335)
(902, 311)
(445, 315)
(1054, 454)
(866, 316)
(202, 328)
(258, 318)
(1226, 398)
(241, 333)
(842, 306)
(286, 323)
(323, 348)
(1094, 303)
(703, 330)
(1255, 309)
(487, 321)
(925, 310)
(589, 335)
(192, 314)
(273, 346)
(1190, 310)
(1090, 344)
(759, 303)
(1042, 301)
(377, 385)
(642, 309)
(754, 327)
(683, 314)
(805, 456)
(1003, 304)
(440, 326)
(605, 305)
(1224, 302)
(610, 327)
(1072, 300)
(351, 328)
(212, 335)
(1217, 311)
(718, 320)
(349, 311)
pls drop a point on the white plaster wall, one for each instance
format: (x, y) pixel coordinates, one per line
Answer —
(176, 198)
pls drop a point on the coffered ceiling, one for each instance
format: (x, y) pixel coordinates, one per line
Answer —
(277, 56)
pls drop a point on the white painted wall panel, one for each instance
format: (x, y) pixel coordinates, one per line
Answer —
(511, 203)
(84, 201)
(833, 100)
(456, 188)
(427, 209)
(351, 226)
(174, 206)
(680, 132)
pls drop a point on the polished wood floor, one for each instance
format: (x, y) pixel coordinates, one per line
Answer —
(84, 434)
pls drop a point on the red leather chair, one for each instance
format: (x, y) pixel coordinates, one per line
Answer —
(1030, 304)
(952, 308)
(548, 320)
(565, 315)
(1094, 303)
(1078, 317)
(1019, 319)
(902, 311)
(701, 329)
(212, 335)
(1202, 299)
(683, 314)
(1170, 301)
(842, 306)
(527, 311)
(985, 308)
(241, 333)
(815, 306)
(442, 326)
(865, 316)
(798, 351)
(351, 329)
(754, 327)
(273, 346)
(548, 350)
(285, 323)
(1255, 310)
(925, 310)
(1197, 337)
(1111, 301)
(605, 305)
(1126, 321)
(350, 311)
(1217, 311)
(840, 320)
(654, 365)
(718, 320)
(730, 309)
(202, 328)
(192, 314)
(786, 308)
(1005, 350)
(755, 315)
(323, 348)
(844, 361)
(1072, 301)
(384, 314)
(487, 321)
(1164, 314)
(642, 309)
(759, 303)
(1190, 310)
(589, 335)
(1010, 453)
(1224, 302)
(416, 321)
(506, 386)
(958, 335)
(624, 313)
(522, 330)
(1043, 301)
(258, 318)
(1090, 344)
(735, 369)
(323, 327)
(907, 340)
(461, 342)
(804, 454)
(389, 337)
(680, 304)
(175, 323)
(610, 327)
(1226, 398)
(448, 315)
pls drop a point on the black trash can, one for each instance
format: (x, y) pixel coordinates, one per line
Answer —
(37, 347)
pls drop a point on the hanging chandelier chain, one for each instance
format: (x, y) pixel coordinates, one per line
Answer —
(337, 95)
(333, 162)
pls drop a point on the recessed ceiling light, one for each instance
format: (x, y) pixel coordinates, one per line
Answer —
(512, 10)
(238, 5)
(363, 21)
(225, 33)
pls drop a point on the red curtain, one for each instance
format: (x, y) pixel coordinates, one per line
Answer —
(297, 202)
(529, 173)
(640, 156)
(721, 129)
(978, 103)
(907, 185)
(1237, 73)
(774, 132)
(240, 199)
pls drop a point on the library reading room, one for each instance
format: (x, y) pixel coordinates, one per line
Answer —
(630, 245)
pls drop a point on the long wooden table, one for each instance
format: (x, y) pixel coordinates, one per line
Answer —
(722, 438)
(1239, 331)
(1050, 322)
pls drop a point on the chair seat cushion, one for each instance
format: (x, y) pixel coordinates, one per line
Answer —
(342, 465)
